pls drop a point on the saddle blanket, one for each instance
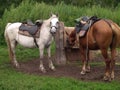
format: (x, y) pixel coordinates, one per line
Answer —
(29, 30)
(26, 33)
(82, 29)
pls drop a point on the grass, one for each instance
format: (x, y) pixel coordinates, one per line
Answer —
(10, 79)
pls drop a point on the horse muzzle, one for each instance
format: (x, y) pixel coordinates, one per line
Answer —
(53, 30)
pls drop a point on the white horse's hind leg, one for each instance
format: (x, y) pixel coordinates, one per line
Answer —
(51, 66)
(41, 60)
(13, 45)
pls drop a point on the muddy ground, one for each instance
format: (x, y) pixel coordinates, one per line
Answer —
(72, 69)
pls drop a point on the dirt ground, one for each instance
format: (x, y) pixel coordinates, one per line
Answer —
(71, 70)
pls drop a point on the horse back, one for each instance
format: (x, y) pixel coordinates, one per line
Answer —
(98, 36)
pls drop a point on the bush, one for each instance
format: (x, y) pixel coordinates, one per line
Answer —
(67, 13)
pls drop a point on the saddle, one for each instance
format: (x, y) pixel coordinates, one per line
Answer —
(82, 29)
(30, 29)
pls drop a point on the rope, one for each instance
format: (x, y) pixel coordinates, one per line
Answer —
(35, 41)
(87, 43)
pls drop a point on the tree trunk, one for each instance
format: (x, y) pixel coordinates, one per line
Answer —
(60, 58)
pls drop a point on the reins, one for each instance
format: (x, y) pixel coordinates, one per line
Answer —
(87, 42)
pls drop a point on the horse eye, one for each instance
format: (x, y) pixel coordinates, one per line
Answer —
(50, 23)
(57, 23)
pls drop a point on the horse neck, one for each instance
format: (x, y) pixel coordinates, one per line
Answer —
(45, 29)
(47, 22)
(73, 33)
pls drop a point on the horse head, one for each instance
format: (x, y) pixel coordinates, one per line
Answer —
(54, 23)
(71, 40)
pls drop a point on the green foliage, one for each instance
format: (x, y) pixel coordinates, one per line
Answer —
(10, 79)
(67, 13)
(103, 3)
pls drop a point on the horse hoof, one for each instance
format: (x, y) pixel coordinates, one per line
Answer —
(106, 78)
(112, 77)
(16, 65)
(87, 71)
(42, 70)
(53, 68)
(82, 73)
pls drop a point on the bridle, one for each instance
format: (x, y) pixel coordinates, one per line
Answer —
(56, 26)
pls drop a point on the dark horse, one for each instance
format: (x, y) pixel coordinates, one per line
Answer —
(102, 35)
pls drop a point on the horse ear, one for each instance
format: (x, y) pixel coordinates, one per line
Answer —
(51, 14)
(77, 20)
(57, 14)
(67, 33)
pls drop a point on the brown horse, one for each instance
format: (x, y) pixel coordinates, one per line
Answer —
(102, 35)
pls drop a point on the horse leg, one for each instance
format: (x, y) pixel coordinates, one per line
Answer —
(12, 53)
(51, 66)
(85, 60)
(113, 53)
(41, 67)
(107, 62)
(11, 47)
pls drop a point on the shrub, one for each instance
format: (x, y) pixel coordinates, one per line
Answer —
(67, 13)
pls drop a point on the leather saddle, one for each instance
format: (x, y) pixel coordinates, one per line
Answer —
(82, 29)
(30, 29)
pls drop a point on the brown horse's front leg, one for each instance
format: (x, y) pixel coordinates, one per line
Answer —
(85, 61)
(107, 76)
(113, 54)
(107, 71)
(83, 68)
(112, 69)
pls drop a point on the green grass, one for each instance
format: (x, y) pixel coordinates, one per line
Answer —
(10, 79)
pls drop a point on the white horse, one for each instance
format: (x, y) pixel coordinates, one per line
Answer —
(48, 28)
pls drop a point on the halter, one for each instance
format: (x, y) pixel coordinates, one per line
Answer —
(54, 26)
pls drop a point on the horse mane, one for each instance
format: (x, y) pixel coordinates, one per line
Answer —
(47, 21)
(8, 24)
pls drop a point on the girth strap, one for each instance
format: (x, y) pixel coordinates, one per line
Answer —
(35, 41)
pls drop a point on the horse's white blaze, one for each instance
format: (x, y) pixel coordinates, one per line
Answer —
(54, 25)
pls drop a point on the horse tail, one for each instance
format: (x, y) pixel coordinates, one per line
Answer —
(116, 34)
(5, 33)
(8, 41)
